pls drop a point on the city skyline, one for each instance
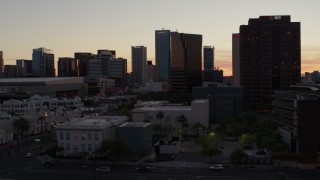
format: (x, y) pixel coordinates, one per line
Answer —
(80, 26)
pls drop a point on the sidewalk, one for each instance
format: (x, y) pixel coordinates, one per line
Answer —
(180, 164)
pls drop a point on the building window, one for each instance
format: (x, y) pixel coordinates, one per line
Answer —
(83, 147)
(168, 118)
(68, 146)
(96, 136)
(83, 136)
(89, 136)
(67, 136)
(61, 135)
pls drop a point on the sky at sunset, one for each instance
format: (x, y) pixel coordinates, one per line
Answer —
(68, 26)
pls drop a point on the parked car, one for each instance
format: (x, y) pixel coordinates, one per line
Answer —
(103, 169)
(220, 148)
(28, 155)
(217, 167)
(143, 168)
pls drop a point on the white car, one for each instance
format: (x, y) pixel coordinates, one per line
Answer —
(103, 169)
(217, 167)
(28, 155)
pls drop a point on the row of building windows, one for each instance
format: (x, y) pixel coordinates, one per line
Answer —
(94, 136)
(83, 147)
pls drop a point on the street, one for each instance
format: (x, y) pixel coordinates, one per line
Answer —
(32, 169)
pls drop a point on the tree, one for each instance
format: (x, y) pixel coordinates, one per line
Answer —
(17, 125)
(211, 151)
(247, 140)
(279, 176)
(160, 116)
(25, 126)
(198, 127)
(116, 149)
(238, 156)
(184, 124)
(205, 140)
(20, 126)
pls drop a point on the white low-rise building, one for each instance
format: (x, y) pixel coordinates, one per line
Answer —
(86, 134)
(21, 107)
(198, 112)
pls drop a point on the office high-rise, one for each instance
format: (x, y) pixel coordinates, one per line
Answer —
(67, 67)
(150, 72)
(208, 63)
(105, 55)
(83, 59)
(10, 71)
(24, 68)
(208, 57)
(43, 63)
(235, 60)
(1, 64)
(185, 61)
(270, 56)
(162, 50)
(139, 64)
(118, 71)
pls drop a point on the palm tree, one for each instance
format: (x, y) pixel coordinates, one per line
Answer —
(18, 127)
(198, 127)
(184, 123)
(160, 116)
(25, 125)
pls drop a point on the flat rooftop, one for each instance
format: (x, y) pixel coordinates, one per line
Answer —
(46, 80)
(135, 124)
(163, 108)
(93, 122)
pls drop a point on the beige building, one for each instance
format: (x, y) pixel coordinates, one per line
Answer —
(198, 112)
(86, 134)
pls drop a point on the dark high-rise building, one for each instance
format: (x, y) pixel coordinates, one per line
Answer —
(67, 67)
(43, 63)
(104, 55)
(83, 59)
(185, 61)
(235, 60)
(10, 71)
(208, 63)
(24, 68)
(139, 64)
(118, 71)
(218, 75)
(150, 71)
(1, 64)
(270, 56)
(297, 113)
(208, 57)
(162, 46)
